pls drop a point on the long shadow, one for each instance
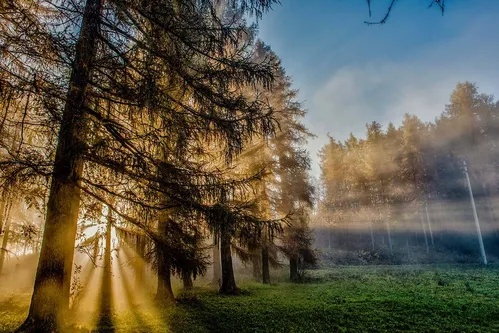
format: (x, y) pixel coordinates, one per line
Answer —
(131, 300)
(105, 319)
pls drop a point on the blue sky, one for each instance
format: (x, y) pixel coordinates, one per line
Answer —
(349, 73)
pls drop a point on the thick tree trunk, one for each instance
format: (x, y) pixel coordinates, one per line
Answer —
(63, 205)
(265, 265)
(217, 265)
(6, 234)
(228, 281)
(293, 269)
(187, 281)
(164, 292)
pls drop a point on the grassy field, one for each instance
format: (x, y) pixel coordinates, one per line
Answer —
(344, 299)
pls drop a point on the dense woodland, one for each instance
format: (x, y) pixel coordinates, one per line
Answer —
(164, 138)
(165, 128)
(405, 187)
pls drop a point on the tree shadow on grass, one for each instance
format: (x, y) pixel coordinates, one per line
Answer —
(105, 316)
(131, 301)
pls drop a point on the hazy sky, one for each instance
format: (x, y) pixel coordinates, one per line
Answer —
(349, 73)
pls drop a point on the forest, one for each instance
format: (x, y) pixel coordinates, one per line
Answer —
(422, 186)
(156, 176)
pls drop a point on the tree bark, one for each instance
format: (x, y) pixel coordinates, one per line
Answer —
(164, 291)
(407, 247)
(187, 281)
(372, 235)
(105, 321)
(63, 205)
(217, 265)
(257, 267)
(293, 269)
(389, 236)
(228, 281)
(3, 206)
(429, 224)
(265, 265)
(5, 240)
(424, 233)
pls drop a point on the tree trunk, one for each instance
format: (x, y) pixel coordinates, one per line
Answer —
(3, 207)
(164, 292)
(483, 255)
(257, 267)
(217, 265)
(57, 248)
(140, 250)
(265, 265)
(389, 236)
(5, 240)
(372, 235)
(429, 225)
(407, 247)
(187, 281)
(105, 321)
(96, 250)
(424, 233)
(293, 269)
(228, 281)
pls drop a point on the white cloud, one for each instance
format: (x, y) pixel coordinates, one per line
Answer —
(384, 91)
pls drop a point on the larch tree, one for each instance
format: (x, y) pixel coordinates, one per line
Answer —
(109, 67)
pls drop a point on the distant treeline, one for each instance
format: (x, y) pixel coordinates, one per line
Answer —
(407, 184)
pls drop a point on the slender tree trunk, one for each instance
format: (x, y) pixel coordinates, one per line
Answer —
(372, 235)
(57, 248)
(429, 225)
(407, 247)
(96, 250)
(217, 265)
(228, 281)
(105, 322)
(389, 236)
(187, 281)
(265, 265)
(3, 206)
(475, 216)
(257, 267)
(6, 234)
(293, 269)
(424, 233)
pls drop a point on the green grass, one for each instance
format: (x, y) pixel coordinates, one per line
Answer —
(344, 299)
